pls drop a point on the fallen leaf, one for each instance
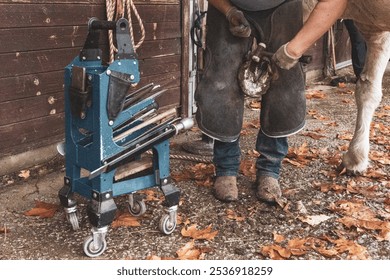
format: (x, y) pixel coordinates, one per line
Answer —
(313, 135)
(248, 168)
(315, 219)
(157, 258)
(354, 250)
(275, 252)
(42, 210)
(278, 238)
(4, 230)
(24, 174)
(315, 95)
(195, 233)
(297, 246)
(233, 216)
(125, 220)
(189, 251)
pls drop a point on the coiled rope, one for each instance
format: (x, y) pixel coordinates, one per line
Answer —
(115, 9)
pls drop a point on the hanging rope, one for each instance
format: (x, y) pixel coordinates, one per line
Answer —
(115, 9)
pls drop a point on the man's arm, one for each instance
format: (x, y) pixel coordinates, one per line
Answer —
(221, 5)
(238, 25)
(321, 19)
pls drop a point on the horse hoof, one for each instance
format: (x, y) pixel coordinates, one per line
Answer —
(342, 169)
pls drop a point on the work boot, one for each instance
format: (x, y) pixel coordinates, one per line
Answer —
(225, 188)
(267, 189)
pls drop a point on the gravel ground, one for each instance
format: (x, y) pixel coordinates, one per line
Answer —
(324, 215)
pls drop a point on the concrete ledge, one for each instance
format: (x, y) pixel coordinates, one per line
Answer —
(26, 160)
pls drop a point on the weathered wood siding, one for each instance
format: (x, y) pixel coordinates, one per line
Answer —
(38, 38)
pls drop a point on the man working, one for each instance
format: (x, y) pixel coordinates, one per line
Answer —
(231, 27)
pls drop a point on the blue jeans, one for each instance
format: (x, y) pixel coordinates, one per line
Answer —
(358, 47)
(227, 156)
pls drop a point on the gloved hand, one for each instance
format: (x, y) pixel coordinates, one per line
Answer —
(238, 25)
(283, 59)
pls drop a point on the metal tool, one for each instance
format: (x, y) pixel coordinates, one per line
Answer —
(107, 126)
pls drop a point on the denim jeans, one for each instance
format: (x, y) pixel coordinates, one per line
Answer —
(358, 47)
(227, 156)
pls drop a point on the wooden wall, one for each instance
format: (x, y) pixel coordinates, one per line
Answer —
(38, 38)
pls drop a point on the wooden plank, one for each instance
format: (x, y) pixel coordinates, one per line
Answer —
(163, 70)
(159, 65)
(43, 38)
(31, 108)
(166, 80)
(132, 168)
(25, 86)
(30, 131)
(24, 63)
(170, 97)
(24, 147)
(151, 49)
(45, 15)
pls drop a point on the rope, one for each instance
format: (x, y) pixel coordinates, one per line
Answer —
(185, 157)
(115, 9)
(193, 158)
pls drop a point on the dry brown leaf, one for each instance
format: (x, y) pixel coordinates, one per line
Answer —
(251, 124)
(192, 231)
(380, 157)
(42, 210)
(313, 135)
(230, 214)
(382, 226)
(327, 187)
(189, 251)
(248, 167)
(255, 105)
(278, 238)
(125, 220)
(25, 174)
(345, 136)
(353, 208)
(354, 250)
(157, 258)
(151, 195)
(253, 153)
(315, 94)
(314, 219)
(275, 252)
(202, 174)
(4, 230)
(298, 246)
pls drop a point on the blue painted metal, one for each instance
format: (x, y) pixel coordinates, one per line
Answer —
(89, 137)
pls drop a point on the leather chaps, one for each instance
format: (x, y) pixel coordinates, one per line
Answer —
(219, 99)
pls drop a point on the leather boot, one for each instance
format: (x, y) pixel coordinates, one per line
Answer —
(268, 189)
(225, 188)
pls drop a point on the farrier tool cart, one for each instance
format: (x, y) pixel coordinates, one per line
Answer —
(108, 124)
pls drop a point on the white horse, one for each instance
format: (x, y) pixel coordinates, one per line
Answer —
(373, 20)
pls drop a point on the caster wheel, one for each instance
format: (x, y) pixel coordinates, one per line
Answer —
(90, 250)
(73, 220)
(167, 226)
(138, 209)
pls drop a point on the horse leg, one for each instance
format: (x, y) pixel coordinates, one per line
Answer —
(368, 95)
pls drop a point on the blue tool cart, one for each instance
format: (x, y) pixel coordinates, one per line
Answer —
(109, 123)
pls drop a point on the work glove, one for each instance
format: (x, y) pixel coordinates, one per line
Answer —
(238, 25)
(283, 59)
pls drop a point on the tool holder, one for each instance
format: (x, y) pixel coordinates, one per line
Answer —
(108, 125)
